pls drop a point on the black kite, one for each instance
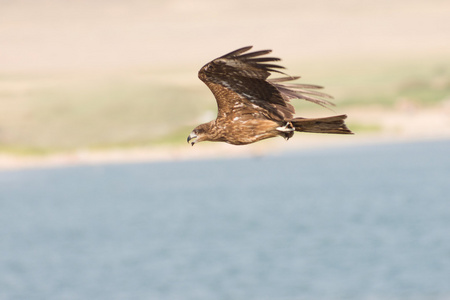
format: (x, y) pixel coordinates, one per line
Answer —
(252, 108)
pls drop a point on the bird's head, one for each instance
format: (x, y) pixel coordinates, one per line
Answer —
(199, 134)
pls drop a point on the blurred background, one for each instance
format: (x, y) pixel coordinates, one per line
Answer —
(101, 197)
(86, 76)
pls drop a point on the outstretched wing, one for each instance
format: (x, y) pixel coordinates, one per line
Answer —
(239, 81)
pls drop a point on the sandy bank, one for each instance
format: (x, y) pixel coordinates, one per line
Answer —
(400, 125)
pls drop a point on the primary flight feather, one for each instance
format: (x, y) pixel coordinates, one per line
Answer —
(252, 107)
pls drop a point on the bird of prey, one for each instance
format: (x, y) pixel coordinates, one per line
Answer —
(252, 107)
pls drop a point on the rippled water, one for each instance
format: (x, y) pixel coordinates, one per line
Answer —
(350, 223)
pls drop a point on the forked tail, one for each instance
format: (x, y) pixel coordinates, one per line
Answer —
(333, 124)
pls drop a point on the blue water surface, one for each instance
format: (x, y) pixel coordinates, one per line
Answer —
(368, 222)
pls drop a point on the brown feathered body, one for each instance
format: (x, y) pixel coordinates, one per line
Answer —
(252, 108)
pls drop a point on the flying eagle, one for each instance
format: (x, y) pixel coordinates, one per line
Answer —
(252, 108)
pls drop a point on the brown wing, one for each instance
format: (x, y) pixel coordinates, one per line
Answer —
(239, 82)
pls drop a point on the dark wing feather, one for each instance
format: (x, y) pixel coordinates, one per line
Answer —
(237, 52)
(239, 81)
(301, 91)
(255, 53)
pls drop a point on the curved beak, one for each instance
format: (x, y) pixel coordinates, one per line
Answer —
(192, 138)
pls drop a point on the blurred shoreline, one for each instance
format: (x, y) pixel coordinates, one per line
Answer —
(397, 126)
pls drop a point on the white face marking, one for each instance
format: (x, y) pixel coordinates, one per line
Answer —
(236, 118)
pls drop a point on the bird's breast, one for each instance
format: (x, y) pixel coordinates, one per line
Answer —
(240, 130)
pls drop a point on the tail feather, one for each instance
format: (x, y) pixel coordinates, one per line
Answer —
(333, 124)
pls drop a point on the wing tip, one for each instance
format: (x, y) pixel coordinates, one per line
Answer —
(237, 52)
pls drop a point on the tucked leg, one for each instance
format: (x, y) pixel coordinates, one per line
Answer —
(286, 128)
